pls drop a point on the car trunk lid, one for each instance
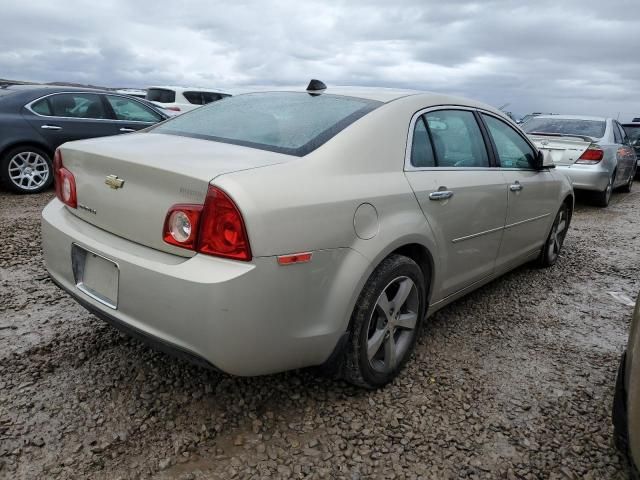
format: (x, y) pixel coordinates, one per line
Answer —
(126, 184)
(561, 149)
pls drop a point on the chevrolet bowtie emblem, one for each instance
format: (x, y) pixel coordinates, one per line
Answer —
(114, 182)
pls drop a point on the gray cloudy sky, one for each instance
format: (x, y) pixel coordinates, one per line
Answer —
(565, 56)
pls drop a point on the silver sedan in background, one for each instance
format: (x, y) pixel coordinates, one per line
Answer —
(594, 152)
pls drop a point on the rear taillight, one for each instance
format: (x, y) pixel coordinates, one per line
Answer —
(215, 228)
(174, 109)
(181, 225)
(65, 182)
(591, 156)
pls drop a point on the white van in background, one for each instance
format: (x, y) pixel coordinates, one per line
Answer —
(182, 99)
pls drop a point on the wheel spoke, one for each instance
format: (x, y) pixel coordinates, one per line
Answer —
(561, 226)
(384, 305)
(404, 289)
(375, 342)
(390, 358)
(407, 320)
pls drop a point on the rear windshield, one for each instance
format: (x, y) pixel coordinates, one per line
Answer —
(284, 122)
(633, 132)
(566, 126)
(161, 95)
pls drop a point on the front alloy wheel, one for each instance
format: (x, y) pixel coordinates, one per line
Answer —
(553, 245)
(27, 170)
(385, 322)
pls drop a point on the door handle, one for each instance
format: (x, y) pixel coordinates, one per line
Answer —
(441, 195)
(127, 130)
(516, 187)
(51, 127)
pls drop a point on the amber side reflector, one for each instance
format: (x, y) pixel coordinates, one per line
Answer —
(294, 258)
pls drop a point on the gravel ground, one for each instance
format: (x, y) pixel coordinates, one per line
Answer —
(513, 381)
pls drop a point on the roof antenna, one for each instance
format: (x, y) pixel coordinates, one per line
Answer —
(316, 86)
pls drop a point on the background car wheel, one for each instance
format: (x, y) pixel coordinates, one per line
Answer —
(629, 184)
(553, 245)
(385, 323)
(26, 170)
(602, 198)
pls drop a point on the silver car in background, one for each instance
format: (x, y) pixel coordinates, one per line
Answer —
(279, 230)
(594, 152)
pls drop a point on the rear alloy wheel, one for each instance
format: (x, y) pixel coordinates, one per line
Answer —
(553, 245)
(629, 184)
(602, 198)
(385, 323)
(26, 170)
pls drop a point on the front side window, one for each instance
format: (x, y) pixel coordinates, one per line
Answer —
(456, 138)
(131, 110)
(77, 105)
(513, 150)
(285, 122)
(566, 126)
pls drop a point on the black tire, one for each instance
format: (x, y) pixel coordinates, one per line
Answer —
(38, 169)
(619, 412)
(603, 198)
(369, 322)
(551, 249)
(627, 186)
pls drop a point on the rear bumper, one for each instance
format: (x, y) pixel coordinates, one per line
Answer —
(244, 318)
(586, 177)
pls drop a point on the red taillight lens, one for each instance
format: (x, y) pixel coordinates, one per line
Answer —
(181, 225)
(65, 182)
(591, 156)
(174, 109)
(222, 230)
(215, 228)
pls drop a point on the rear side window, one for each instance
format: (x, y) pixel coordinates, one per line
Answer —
(284, 122)
(421, 150)
(41, 107)
(513, 150)
(193, 97)
(208, 97)
(161, 95)
(77, 105)
(566, 126)
(456, 139)
(617, 137)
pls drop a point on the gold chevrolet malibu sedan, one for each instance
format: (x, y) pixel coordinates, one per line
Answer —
(626, 405)
(277, 230)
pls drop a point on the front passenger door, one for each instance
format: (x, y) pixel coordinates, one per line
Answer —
(131, 115)
(533, 194)
(462, 196)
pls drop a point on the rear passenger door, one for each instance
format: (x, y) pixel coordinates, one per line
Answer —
(533, 195)
(461, 193)
(63, 117)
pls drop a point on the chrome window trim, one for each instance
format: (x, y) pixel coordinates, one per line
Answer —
(408, 167)
(29, 105)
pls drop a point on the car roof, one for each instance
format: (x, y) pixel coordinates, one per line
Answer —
(187, 89)
(574, 117)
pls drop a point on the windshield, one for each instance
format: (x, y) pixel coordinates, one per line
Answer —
(284, 122)
(566, 126)
(633, 132)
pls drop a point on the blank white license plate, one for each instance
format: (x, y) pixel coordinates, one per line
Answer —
(96, 276)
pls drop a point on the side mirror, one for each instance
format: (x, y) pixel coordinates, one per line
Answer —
(543, 160)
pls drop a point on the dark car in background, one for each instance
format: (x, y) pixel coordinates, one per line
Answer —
(37, 119)
(633, 132)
